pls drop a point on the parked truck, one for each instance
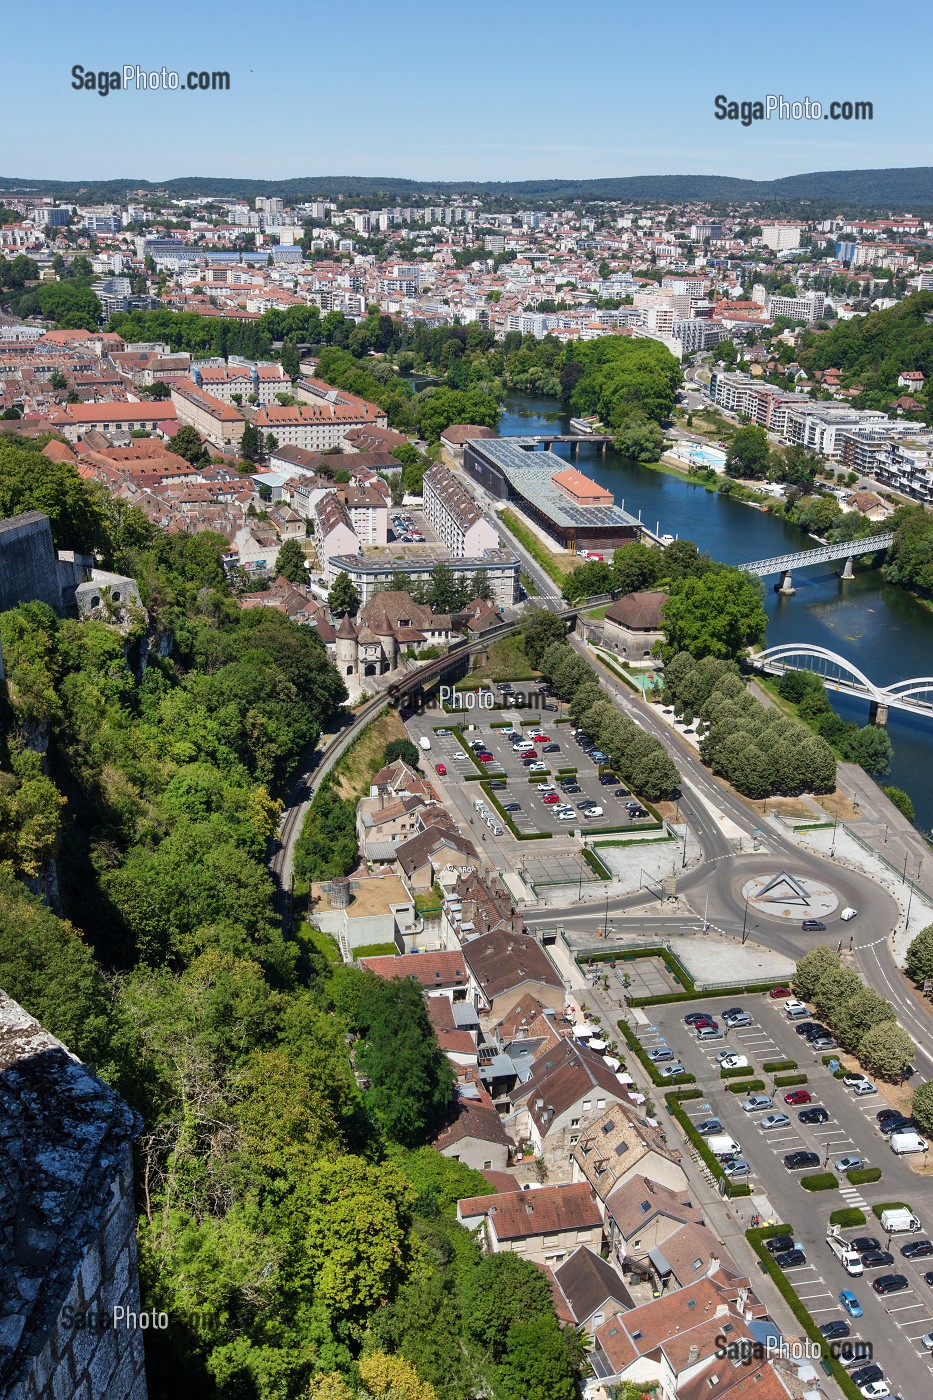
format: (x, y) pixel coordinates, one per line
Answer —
(849, 1258)
(900, 1221)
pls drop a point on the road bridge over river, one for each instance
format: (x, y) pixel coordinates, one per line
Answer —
(840, 675)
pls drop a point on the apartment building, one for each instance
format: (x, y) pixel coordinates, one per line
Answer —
(374, 572)
(215, 420)
(807, 308)
(780, 237)
(907, 469)
(761, 403)
(333, 531)
(259, 382)
(368, 512)
(76, 420)
(454, 514)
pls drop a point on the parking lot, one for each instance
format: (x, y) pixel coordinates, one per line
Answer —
(894, 1323)
(528, 786)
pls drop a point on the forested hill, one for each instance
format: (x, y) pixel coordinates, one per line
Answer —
(875, 349)
(901, 188)
(297, 1229)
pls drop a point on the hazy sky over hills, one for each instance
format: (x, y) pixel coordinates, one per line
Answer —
(494, 89)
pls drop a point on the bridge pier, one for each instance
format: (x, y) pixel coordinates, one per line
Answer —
(878, 713)
(848, 572)
(786, 585)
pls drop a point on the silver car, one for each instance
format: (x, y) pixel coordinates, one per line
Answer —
(756, 1103)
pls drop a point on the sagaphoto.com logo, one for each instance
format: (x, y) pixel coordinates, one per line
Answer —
(776, 107)
(132, 78)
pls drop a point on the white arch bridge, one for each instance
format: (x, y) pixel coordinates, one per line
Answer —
(838, 674)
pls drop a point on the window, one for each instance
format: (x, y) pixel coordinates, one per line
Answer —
(574, 1139)
(697, 1264)
(600, 1103)
(587, 1104)
(637, 1336)
(487, 1166)
(574, 1122)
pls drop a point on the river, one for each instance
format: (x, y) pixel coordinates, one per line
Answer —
(879, 628)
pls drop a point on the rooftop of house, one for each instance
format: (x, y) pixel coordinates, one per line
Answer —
(434, 969)
(690, 1252)
(611, 1146)
(684, 1323)
(548, 1210)
(369, 895)
(638, 612)
(501, 960)
(639, 1200)
(588, 1283)
(471, 1117)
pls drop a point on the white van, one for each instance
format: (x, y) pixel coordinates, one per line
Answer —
(425, 742)
(906, 1142)
(722, 1145)
(848, 914)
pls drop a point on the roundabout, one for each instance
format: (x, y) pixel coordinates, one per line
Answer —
(785, 895)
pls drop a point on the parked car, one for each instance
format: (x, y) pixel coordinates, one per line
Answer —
(837, 1328)
(850, 1303)
(864, 1375)
(875, 1390)
(668, 1071)
(776, 993)
(511, 806)
(813, 926)
(486, 757)
(709, 1126)
(863, 1244)
(851, 1081)
(890, 1283)
(711, 1032)
(805, 1027)
(917, 1249)
(755, 1103)
(847, 1164)
(780, 1244)
(441, 768)
(571, 787)
(550, 798)
(696, 1018)
(735, 1166)
(539, 738)
(895, 1124)
(661, 1054)
(607, 779)
(551, 748)
(736, 1019)
(774, 1120)
(888, 1113)
(823, 1042)
(816, 1030)
(866, 1087)
(593, 812)
(621, 792)
(877, 1259)
(814, 1115)
(796, 1161)
(798, 1096)
(731, 1061)
(498, 784)
(537, 768)
(790, 1259)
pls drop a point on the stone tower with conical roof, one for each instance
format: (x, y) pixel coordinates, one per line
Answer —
(346, 648)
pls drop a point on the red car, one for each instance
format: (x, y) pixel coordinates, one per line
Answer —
(441, 768)
(549, 798)
(777, 992)
(484, 757)
(798, 1096)
(541, 738)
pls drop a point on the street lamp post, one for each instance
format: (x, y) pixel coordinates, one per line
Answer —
(745, 919)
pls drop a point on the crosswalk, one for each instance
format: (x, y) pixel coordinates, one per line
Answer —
(852, 1197)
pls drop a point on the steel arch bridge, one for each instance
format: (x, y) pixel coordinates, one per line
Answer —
(839, 674)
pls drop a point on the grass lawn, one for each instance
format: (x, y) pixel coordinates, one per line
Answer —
(364, 758)
(428, 900)
(556, 566)
(507, 662)
(597, 614)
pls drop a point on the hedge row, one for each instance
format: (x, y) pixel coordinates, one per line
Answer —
(864, 1176)
(594, 862)
(626, 680)
(748, 1086)
(673, 1102)
(775, 1066)
(635, 1045)
(734, 1073)
(820, 1181)
(786, 1081)
(788, 1293)
(879, 1210)
(848, 1218)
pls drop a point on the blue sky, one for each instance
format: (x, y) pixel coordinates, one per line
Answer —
(491, 89)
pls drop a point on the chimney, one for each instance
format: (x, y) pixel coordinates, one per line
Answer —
(693, 1354)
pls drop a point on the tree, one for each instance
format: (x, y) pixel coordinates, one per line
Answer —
(920, 955)
(833, 989)
(871, 747)
(290, 562)
(251, 443)
(403, 749)
(922, 1106)
(540, 629)
(481, 586)
(886, 1050)
(536, 1364)
(392, 1378)
(343, 597)
(820, 962)
(504, 1291)
(858, 1014)
(187, 443)
(636, 567)
(749, 454)
(290, 359)
(902, 801)
(411, 1078)
(644, 441)
(446, 593)
(720, 613)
